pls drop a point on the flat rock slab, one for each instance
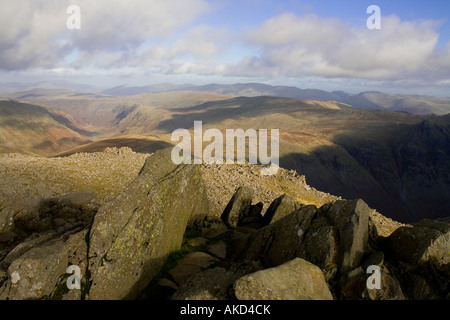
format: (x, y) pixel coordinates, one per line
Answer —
(426, 241)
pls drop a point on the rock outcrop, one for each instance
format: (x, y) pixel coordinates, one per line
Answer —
(158, 239)
(132, 236)
(40, 271)
(341, 243)
(238, 207)
(279, 208)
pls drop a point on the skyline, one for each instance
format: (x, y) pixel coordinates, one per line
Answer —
(307, 44)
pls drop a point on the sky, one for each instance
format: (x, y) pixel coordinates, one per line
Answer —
(322, 44)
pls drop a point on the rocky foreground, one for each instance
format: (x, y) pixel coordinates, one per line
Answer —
(139, 227)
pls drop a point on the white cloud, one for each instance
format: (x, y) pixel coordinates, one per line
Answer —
(163, 37)
(34, 33)
(293, 45)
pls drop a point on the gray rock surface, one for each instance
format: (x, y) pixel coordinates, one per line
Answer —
(294, 280)
(238, 207)
(280, 241)
(211, 284)
(39, 271)
(279, 208)
(350, 218)
(426, 241)
(132, 235)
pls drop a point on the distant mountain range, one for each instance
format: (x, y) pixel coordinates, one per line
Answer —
(11, 87)
(365, 100)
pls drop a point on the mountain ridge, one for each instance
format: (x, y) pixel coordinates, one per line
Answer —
(418, 104)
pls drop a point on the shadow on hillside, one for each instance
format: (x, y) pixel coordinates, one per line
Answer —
(409, 191)
(332, 170)
(135, 144)
(237, 108)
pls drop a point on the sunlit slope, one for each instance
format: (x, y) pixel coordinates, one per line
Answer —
(31, 129)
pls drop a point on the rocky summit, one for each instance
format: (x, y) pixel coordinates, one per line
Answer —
(206, 232)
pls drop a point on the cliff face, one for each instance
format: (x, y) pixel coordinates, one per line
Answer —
(400, 169)
(412, 167)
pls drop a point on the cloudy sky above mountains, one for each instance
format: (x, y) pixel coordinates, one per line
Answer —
(310, 44)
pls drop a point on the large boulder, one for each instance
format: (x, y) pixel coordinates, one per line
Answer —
(350, 218)
(279, 208)
(238, 207)
(280, 241)
(426, 241)
(40, 272)
(321, 246)
(132, 235)
(297, 279)
(211, 284)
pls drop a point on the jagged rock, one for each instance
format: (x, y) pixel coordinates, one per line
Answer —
(426, 241)
(211, 284)
(350, 218)
(41, 270)
(238, 207)
(321, 247)
(280, 241)
(255, 210)
(279, 208)
(132, 235)
(294, 280)
(25, 246)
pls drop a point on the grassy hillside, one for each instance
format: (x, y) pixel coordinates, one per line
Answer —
(31, 129)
